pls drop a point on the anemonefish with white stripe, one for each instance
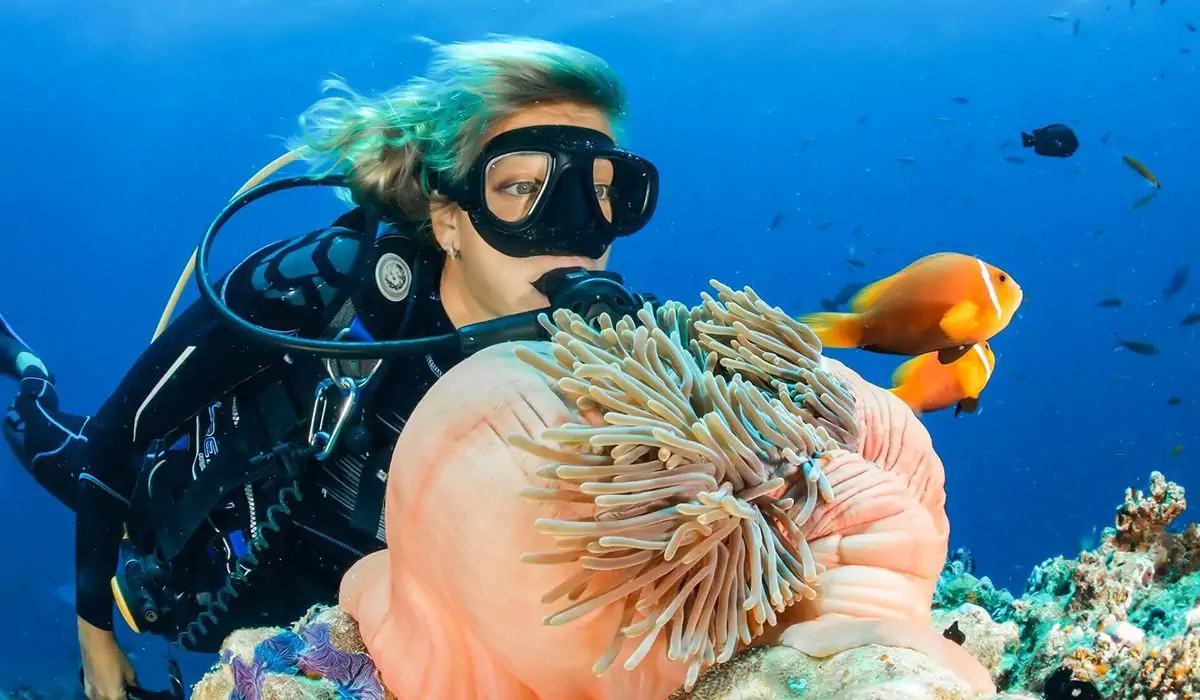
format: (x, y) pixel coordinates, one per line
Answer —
(927, 385)
(943, 303)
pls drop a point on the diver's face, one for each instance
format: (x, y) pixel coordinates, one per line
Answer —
(482, 283)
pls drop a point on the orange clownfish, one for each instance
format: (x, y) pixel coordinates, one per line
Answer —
(928, 385)
(945, 302)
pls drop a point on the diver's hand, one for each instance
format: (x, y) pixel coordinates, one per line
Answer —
(106, 670)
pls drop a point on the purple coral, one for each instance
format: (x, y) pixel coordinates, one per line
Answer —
(363, 683)
(247, 678)
(310, 653)
(354, 674)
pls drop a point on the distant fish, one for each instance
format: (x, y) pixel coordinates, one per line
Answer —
(1144, 200)
(1004, 145)
(1104, 138)
(907, 160)
(1176, 450)
(1058, 16)
(960, 100)
(776, 221)
(1191, 319)
(844, 295)
(1142, 170)
(1098, 232)
(857, 230)
(1110, 303)
(1141, 347)
(1178, 281)
(1075, 27)
(856, 262)
(945, 120)
(863, 119)
(1184, 50)
(1189, 26)
(1016, 160)
(825, 226)
(804, 146)
(1174, 401)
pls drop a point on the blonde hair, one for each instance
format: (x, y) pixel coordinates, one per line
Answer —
(389, 144)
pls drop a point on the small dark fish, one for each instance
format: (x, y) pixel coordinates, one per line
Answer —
(1184, 50)
(804, 146)
(825, 226)
(857, 230)
(1104, 138)
(954, 634)
(1176, 451)
(1057, 140)
(1017, 160)
(1075, 27)
(1061, 685)
(776, 221)
(856, 262)
(1189, 26)
(862, 119)
(1132, 3)
(1174, 401)
(960, 100)
(1098, 232)
(1178, 281)
(1141, 347)
(1162, 76)
(1110, 303)
(1006, 144)
(1144, 200)
(1191, 319)
(907, 160)
(1058, 16)
(844, 295)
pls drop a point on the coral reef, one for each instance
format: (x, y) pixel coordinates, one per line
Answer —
(1124, 617)
(871, 672)
(322, 657)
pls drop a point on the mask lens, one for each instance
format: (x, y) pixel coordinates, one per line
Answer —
(515, 183)
(628, 197)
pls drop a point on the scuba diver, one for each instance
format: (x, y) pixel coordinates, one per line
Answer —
(240, 466)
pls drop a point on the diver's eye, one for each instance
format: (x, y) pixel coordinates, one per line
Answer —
(1003, 278)
(603, 192)
(521, 189)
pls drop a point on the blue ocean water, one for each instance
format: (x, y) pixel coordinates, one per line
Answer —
(128, 124)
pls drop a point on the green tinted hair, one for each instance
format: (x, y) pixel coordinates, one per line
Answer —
(388, 144)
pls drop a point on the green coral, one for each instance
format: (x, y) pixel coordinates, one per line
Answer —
(957, 586)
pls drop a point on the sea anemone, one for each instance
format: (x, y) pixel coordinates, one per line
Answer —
(702, 473)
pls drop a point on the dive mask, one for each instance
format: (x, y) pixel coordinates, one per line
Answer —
(554, 190)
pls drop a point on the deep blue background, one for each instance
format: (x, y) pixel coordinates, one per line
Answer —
(127, 124)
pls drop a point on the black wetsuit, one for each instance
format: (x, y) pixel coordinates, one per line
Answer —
(201, 401)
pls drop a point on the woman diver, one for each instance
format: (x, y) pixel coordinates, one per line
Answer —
(227, 496)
